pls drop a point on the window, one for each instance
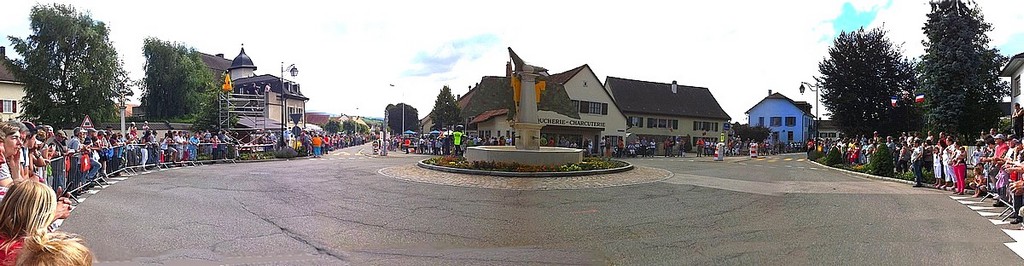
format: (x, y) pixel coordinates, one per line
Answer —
(662, 123)
(695, 125)
(651, 123)
(760, 121)
(596, 108)
(635, 121)
(1015, 85)
(790, 121)
(576, 104)
(10, 106)
(776, 121)
(675, 124)
(789, 136)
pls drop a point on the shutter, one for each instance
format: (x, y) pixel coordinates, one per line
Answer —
(640, 121)
(14, 107)
(584, 107)
(675, 124)
(604, 109)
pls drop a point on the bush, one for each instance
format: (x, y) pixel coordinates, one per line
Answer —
(880, 163)
(286, 153)
(833, 158)
(815, 155)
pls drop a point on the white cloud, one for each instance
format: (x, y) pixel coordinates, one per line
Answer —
(348, 52)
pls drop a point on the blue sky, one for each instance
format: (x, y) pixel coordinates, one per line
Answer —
(850, 19)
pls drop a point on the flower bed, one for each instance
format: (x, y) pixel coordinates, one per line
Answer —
(589, 163)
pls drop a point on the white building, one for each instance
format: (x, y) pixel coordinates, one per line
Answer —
(12, 91)
(1013, 70)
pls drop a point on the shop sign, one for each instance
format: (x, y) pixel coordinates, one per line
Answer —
(568, 122)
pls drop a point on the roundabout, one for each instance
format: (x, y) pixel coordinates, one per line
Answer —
(622, 176)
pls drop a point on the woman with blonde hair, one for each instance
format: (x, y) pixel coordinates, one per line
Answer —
(55, 249)
(26, 211)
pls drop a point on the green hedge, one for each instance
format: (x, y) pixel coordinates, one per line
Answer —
(880, 163)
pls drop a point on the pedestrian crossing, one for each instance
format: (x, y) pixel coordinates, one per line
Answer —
(994, 215)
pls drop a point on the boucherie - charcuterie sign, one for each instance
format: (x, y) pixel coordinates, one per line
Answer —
(567, 122)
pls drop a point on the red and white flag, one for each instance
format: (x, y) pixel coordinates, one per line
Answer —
(919, 98)
(266, 89)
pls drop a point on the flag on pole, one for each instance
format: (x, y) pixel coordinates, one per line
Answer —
(894, 101)
(919, 98)
(227, 83)
(266, 89)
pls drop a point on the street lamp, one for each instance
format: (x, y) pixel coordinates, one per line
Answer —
(294, 71)
(403, 111)
(815, 89)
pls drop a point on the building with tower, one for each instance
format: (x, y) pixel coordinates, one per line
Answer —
(260, 101)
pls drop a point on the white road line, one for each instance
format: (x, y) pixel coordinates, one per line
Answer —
(965, 202)
(986, 214)
(959, 198)
(978, 208)
(998, 222)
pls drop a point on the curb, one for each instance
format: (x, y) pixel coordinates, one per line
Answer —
(628, 167)
(869, 176)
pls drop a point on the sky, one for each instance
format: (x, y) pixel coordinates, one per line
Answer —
(349, 52)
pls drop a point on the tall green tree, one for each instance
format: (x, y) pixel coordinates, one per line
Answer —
(446, 111)
(69, 67)
(863, 71)
(959, 70)
(176, 80)
(412, 121)
(333, 126)
(348, 126)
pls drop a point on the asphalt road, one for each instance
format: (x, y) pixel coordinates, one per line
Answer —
(340, 211)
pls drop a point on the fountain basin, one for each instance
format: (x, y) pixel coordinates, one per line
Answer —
(509, 154)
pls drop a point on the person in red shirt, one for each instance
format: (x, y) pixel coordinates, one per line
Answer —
(28, 209)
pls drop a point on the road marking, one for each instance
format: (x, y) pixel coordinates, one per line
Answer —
(773, 160)
(988, 213)
(800, 160)
(789, 166)
(976, 208)
(998, 222)
(969, 202)
(788, 159)
(959, 198)
(1018, 246)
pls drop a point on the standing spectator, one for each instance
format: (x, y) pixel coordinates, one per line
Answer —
(317, 143)
(916, 163)
(1018, 120)
(28, 209)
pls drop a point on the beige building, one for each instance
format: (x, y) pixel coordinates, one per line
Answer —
(659, 111)
(12, 91)
(598, 114)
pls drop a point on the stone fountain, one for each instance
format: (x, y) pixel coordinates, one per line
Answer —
(527, 82)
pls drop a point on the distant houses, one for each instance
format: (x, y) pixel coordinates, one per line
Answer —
(788, 120)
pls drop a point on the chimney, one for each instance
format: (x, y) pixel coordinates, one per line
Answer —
(769, 92)
(458, 96)
(220, 55)
(675, 86)
(3, 52)
(508, 69)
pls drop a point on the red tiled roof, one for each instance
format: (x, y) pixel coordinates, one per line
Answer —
(488, 115)
(5, 74)
(562, 78)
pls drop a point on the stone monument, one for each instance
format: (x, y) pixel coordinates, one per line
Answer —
(527, 83)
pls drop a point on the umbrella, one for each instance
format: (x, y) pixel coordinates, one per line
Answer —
(435, 132)
(410, 132)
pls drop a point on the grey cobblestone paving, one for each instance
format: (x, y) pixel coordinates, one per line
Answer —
(638, 175)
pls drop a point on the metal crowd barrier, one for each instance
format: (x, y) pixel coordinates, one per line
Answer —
(73, 173)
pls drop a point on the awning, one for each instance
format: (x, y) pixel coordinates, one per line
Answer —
(258, 123)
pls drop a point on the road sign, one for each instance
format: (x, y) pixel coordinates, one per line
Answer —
(87, 123)
(726, 126)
